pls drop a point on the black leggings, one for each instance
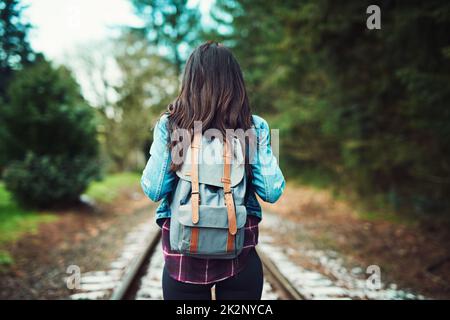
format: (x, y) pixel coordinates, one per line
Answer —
(246, 285)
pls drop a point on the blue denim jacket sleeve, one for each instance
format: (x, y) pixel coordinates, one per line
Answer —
(157, 180)
(268, 180)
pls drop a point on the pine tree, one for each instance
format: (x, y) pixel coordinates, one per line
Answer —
(15, 49)
(171, 25)
(49, 137)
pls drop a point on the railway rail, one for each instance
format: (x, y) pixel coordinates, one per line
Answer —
(132, 280)
(136, 273)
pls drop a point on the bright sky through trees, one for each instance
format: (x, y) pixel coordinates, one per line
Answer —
(61, 26)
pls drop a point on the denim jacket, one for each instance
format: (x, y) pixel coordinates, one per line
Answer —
(158, 181)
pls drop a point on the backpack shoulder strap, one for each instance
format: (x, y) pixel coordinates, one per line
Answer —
(195, 196)
(226, 180)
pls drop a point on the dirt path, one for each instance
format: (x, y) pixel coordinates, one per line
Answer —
(318, 233)
(413, 256)
(88, 238)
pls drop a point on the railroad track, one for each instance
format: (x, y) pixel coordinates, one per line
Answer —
(136, 273)
(129, 286)
(135, 277)
(274, 276)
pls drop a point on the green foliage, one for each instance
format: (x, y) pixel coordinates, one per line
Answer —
(369, 107)
(171, 25)
(48, 137)
(15, 50)
(127, 108)
(149, 83)
(46, 115)
(5, 259)
(15, 221)
(45, 181)
(106, 190)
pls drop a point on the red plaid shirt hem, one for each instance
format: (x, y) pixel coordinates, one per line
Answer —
(205, 271)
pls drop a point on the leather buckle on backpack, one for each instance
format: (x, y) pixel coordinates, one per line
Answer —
(197, 194)
(225, 180)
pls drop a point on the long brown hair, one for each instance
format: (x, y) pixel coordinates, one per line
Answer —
(212, 91)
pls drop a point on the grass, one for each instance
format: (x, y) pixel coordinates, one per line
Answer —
(106, 190)
(310, 176)
(386, 215)
(15, 222)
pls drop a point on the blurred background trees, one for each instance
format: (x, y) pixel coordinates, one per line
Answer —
(15, 49)
(49, 139)
(359, 108)
(365, 111)
(171, 25)
(149, 83)
(129, 90)
(49, 147)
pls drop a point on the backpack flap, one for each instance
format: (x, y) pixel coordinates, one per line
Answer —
(211, 216)
(210, 167)
(212, 237)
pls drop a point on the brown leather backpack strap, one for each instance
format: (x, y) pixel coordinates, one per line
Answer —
(228, 196)
(194, 240)
(195, 196)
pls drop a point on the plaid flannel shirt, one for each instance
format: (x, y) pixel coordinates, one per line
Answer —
(205, 271)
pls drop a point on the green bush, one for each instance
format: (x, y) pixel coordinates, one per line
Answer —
(49, 138)
(43, 181)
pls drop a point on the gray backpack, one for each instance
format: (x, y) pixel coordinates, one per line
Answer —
(207, 209)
